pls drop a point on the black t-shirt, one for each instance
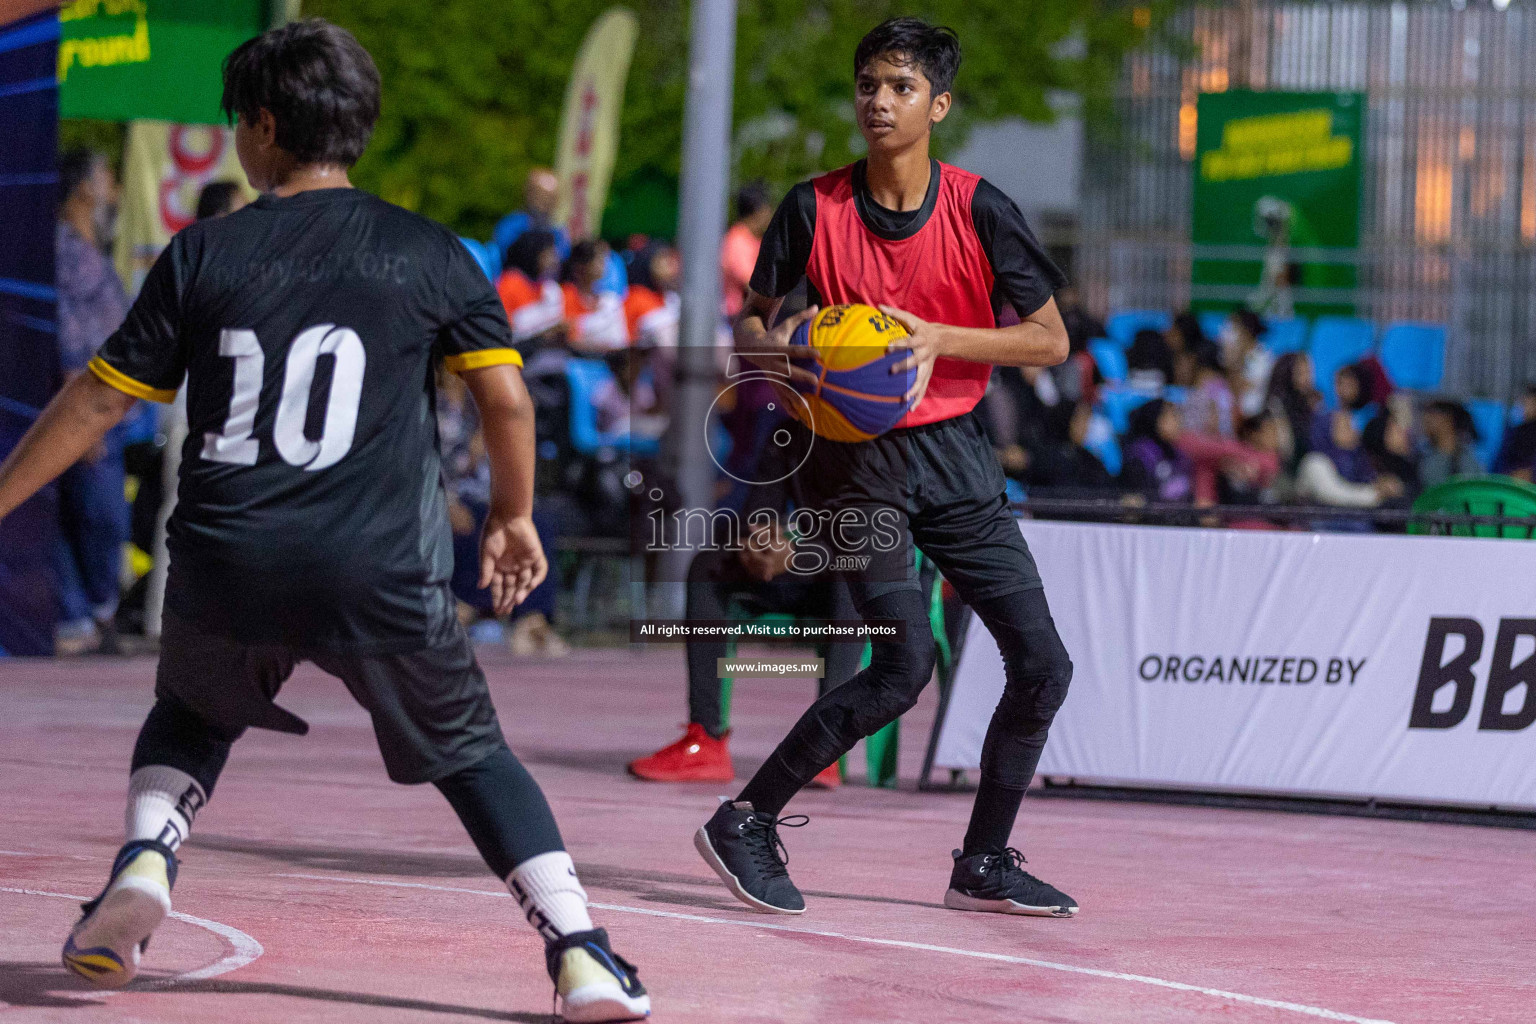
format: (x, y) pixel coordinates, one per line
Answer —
(1025, 274)
(310, 511)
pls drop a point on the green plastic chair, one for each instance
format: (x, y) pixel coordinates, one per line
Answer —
(1479, 496)
(881, 749)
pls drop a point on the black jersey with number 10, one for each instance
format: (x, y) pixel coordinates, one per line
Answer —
(310, 511)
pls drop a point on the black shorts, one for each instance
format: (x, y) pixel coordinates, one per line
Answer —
(938, 486)
(431, 708)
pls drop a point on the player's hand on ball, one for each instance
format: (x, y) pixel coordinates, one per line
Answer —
(923, 339)
(511, 560)
(780, 338)
(784, 331)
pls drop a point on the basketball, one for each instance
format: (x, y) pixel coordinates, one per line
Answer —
(855, 396)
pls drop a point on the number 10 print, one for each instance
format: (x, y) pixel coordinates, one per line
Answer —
(234, 444)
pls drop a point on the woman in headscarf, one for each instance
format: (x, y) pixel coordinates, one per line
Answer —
(1389, 445)
(1337, 471)
(1155, 465)
(1292, 396)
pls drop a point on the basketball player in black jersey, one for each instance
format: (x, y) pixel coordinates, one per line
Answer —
(311, 522)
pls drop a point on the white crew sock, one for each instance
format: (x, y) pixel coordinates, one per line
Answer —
(547, 889)
(162, 801)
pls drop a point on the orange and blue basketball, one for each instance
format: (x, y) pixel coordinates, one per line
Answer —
(855, 396)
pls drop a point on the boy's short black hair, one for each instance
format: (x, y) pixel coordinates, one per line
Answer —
(933, 49)
(319, 83)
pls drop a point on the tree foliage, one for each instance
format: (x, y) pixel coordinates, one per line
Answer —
(473, 88)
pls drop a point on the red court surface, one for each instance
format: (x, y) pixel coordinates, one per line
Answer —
(315, 890)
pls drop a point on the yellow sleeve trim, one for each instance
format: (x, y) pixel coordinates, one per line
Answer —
(113, 377)
(482, 358)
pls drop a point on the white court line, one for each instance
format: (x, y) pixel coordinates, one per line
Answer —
(244, 948)
(1236, 997)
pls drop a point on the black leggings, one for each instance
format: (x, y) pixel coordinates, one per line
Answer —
(1038, 674)
(499, 803)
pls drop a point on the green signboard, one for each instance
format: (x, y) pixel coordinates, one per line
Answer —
(1276, 211)
(126, 59)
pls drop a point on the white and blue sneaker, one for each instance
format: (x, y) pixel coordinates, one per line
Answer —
(592, 982)
(105, 945)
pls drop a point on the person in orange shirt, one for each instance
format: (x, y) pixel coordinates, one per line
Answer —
(652, 306)
(529, 292)
(652, 310)
(738, 254)
(595, 319)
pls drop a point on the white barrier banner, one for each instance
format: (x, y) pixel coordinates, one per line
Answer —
(1319, 664)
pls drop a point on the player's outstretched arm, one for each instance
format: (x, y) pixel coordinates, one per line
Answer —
(511, 559)
(73, 424)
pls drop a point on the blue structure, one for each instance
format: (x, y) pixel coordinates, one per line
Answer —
(29, 358)
(1286, 335)
(1122, 326)
(1110, 359)
(1490, 417)
(1414, 355)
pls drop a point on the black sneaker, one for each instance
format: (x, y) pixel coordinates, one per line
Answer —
(745, 850)
(996, 883)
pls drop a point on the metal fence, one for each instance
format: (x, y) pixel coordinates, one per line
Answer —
(1448, 217)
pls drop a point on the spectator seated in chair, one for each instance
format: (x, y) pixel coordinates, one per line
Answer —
(1155, 466)
(1249, 364)
(754, 579)
(1388, 442)
(626, 402)
(1518, 455)
(1059, 464)
(1255, 479)
(1338, 472)
(529, 287)
(652, 310)
(1209, 408)
(594, 317)
(1449, 434)
(1294, 397)
(1150, 359)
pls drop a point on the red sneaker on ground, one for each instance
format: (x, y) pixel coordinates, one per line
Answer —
(697, 757)
(828, 778)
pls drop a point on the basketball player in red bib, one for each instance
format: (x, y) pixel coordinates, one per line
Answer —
(943, 252)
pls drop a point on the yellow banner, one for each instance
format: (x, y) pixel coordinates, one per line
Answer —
(165, 167)
(589, 128)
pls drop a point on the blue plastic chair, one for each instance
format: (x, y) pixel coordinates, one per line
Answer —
(1490, 416)
(1110, 359)
(1212, 323)
(583, 378)
(1122, 326)
(1117, 403)
(485, 255)
(1107, 450)
(1338, 341)
(1286, 335)
(1413, 355)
